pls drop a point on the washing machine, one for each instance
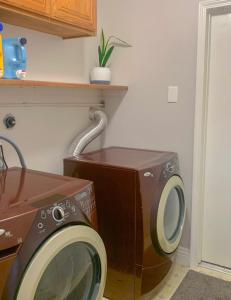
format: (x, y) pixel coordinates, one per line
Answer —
(49, 247)
(141, 211)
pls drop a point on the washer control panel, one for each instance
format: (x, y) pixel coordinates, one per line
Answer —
(60, 209)
(85, 201)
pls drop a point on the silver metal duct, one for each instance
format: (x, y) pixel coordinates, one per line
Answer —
(81, 141)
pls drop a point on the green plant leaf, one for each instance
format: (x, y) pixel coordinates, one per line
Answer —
(106, 45)
(102, 41)
(100, 56)
(107, 56)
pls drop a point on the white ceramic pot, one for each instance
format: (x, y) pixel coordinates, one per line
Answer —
(100, 75)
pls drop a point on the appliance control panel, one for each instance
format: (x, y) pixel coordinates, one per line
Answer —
(86, 201)
(62, 209)
(170, 168)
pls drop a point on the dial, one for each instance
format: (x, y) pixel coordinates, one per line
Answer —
(58, 214)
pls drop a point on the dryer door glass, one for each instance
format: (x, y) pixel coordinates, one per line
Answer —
(74, 273)
(171, 215)
(70, 265)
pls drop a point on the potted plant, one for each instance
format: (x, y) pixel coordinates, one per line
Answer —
(102, 73)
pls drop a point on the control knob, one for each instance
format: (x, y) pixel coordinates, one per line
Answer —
(58, 214)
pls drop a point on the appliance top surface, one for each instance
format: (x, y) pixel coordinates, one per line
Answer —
(23, 190)
(127, 157)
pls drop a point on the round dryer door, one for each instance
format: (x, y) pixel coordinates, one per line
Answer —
(171, 215)
(70, 265)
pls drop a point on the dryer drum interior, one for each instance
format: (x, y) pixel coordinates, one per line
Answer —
(171, 215)
(69, 265)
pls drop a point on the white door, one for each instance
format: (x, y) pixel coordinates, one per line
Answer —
(216, 246)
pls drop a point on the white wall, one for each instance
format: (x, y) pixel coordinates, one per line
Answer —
(163, 35)
(44, 131)
(51, 57)
(51, 117)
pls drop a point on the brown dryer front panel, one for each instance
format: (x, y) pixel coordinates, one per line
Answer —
(124, 200)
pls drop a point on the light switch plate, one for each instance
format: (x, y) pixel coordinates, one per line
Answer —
(172, 94)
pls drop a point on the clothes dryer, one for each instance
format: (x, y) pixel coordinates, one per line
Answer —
(141, 212)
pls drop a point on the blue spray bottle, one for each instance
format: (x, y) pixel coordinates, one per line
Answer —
(14, 58)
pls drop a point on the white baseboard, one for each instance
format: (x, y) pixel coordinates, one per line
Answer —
(183, 256)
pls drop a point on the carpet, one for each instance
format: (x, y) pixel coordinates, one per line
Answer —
(197, 286)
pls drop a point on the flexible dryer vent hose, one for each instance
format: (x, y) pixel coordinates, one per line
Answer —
(20, 156)
(87, 136)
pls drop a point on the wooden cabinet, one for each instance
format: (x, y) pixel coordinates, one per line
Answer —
(66, 18)
(37, 6)
(80, 13)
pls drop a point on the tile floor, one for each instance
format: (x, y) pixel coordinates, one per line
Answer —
(166, 289)
(169, 285)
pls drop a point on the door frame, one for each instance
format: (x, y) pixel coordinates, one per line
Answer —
(207, 9)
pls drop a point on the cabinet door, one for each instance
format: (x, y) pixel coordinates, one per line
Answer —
(37, 6)
(81, 13)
